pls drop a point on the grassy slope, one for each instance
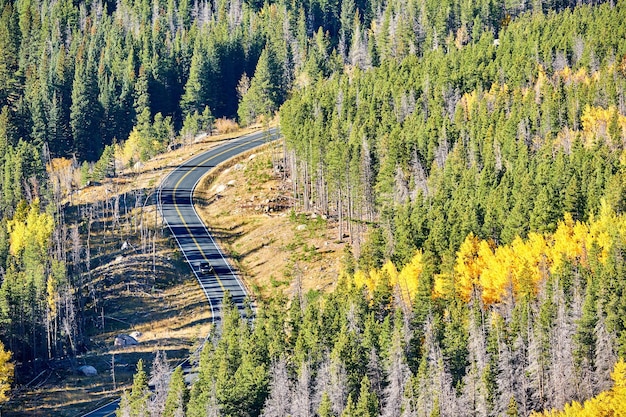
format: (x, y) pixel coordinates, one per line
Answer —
(249, 210)
(155, 292)
(147, 288)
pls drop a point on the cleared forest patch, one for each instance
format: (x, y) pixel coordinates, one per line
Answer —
(134, 279)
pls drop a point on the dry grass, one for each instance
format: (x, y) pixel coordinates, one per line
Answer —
(154, 292)
(146, 287)
(249, 211)
(223, 125)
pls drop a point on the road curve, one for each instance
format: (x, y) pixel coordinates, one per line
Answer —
(196, 243)
(175, 200)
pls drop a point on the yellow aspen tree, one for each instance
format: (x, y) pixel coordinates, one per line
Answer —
(6, 373)
(467, 269)
(603, 227)
(505, 265)
(442, 286)
(373, 280)
(35, 229)
(495, 277)
(564, 244)
(392, 272)
(408, 278)
(360, 279)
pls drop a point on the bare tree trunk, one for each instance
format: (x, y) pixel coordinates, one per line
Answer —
(159, 378)
(278, 401)
(340, 213)
(301, 401)
(307, 184)
(113, 372)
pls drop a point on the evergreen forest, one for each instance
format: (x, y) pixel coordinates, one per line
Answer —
(472, 153)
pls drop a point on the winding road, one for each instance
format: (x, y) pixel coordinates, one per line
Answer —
(175, 200)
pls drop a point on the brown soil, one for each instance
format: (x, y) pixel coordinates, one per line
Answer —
(149, 288)
(146, 287)
(250, 210)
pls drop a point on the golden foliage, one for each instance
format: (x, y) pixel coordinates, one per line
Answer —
(61, 173)
(516, 269)
(405, 281)
(59, 164)
(129, 150)
(596, 122)
(408, 278)
(442, 286)
(522, 265)
(468, 101)
(6, 373)
(468, 267)
(35, 230)
(581, 76)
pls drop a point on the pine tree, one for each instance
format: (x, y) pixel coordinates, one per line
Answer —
(199, 87)
(9, 45)
(139, 393)
(86, 113)
(326, 408)
(367, 405)
(177, 395)
(511, 410)
(264, 95)
(142, 105)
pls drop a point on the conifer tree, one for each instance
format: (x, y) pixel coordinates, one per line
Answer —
(139, 393)
(264, 95)
(86, 113)
(177, 395)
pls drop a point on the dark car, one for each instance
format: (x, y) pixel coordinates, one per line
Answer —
(206, 268)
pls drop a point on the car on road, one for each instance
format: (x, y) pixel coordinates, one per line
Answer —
(205, 268)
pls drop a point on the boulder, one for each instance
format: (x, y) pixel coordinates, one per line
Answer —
(124, 340)
(88, 370)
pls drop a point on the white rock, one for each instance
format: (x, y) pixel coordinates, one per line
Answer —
(124, 340)
(88, 370)
(220, 188)
(231, 183)
(301, 227)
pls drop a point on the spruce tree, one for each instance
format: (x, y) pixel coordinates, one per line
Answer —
(177, 395)
(86, 113)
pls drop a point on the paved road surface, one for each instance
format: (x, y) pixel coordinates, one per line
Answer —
(194, 240)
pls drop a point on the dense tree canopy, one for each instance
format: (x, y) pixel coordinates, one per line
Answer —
(472, 152)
